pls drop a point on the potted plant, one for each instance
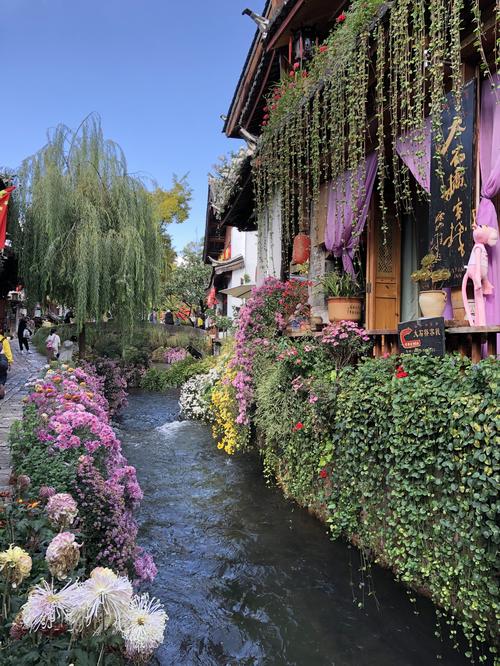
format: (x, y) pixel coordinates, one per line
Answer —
(432, 299)
(342, 293)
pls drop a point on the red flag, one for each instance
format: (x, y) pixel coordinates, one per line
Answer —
(4, 200)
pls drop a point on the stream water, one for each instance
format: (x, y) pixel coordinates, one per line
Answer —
(246, 576)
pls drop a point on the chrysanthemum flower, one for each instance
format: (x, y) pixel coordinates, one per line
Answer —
(63, 554)
(46, 607)
(15, 564)
(61, 510)
(46, 492)
(143, 627)
(100, 602)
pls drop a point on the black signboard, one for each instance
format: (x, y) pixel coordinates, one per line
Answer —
(420, 334)
(450, 220)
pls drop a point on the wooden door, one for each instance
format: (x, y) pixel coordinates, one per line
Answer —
(383, 286)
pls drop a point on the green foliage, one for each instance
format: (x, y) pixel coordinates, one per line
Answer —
(105, 339)
(189, 279)
(90, 237)
(336, 284)
(409, 469)
(177, 374)
(29, 456)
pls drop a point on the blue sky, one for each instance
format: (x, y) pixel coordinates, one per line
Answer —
(158, 72)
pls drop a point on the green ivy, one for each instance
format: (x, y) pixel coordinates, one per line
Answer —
(409, 471)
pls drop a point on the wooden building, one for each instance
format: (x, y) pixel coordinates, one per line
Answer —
(328, 89)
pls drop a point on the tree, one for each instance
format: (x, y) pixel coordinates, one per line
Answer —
(90, 236)
(189, 279)
(172, 205)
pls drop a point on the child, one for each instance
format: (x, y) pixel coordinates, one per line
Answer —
(52, 345)
(68, 347)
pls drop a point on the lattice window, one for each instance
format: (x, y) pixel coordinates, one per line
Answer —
(385, 252)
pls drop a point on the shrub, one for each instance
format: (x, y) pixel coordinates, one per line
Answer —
(175, 376)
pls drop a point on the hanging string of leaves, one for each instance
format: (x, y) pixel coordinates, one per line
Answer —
(90, 237)
(324, 121)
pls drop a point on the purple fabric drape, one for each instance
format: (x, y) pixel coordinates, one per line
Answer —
(489, 161)
(345, 221)
(414, 148)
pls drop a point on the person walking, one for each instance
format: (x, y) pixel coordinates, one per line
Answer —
(21, 327)
(27, 333)
(6, 360)
(52, 345)
(169, 318)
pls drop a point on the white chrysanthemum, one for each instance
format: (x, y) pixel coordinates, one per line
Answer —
(144, 626)
(46, 607)
(100, 602)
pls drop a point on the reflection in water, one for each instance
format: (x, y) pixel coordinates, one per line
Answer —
(246, 576)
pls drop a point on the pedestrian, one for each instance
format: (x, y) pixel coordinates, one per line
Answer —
(6, 360)
(27, 333)
(68, 348)
(169, 318)
(21, 327)
(52, 345)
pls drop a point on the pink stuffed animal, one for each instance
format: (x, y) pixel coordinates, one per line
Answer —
(477, 271)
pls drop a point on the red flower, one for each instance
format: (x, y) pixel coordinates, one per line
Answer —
(305, 74)
(266, 116)
(323, 48)
(292, 73)
(400, 372)
(296, 65)
(298, 426)
(266, 109)
(341, 17)
(323, 474)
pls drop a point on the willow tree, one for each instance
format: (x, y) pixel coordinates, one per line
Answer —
(91, 239)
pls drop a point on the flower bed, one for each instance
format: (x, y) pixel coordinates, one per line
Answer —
(70, 520)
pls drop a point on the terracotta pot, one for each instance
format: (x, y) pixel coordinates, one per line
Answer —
(301, 248)
(432, 303)
(344, 309)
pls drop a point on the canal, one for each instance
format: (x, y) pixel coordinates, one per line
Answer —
(246, 576)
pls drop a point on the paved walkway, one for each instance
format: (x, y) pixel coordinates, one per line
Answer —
(25, 367)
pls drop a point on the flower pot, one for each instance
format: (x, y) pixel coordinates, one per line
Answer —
(432, 303)
(344, 308)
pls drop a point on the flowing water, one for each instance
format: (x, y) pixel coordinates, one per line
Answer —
(246, 576)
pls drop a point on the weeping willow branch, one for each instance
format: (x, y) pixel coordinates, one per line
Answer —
(90, 237)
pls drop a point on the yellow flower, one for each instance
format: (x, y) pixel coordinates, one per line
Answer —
(15, 564)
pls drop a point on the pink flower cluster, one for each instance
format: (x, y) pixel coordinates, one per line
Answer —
(266, 312)
(175, 354)
(343, 330)
(74, 414)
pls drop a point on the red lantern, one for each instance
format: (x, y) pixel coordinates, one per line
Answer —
(301, 248)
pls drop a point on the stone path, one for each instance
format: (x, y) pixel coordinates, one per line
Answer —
(25, 367)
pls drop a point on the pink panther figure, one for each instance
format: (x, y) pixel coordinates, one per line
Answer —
(477, 271)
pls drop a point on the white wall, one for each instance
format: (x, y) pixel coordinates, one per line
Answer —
(269, 243)
(245, 243)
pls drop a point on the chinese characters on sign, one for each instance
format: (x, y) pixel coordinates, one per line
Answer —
(422, 334)
(451, 190)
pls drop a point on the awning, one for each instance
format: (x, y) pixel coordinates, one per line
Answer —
(241, 291)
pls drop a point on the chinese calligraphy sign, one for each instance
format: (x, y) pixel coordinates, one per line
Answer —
(451, 186)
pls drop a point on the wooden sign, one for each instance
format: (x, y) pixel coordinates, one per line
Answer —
(450, 221)
(421, 334)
